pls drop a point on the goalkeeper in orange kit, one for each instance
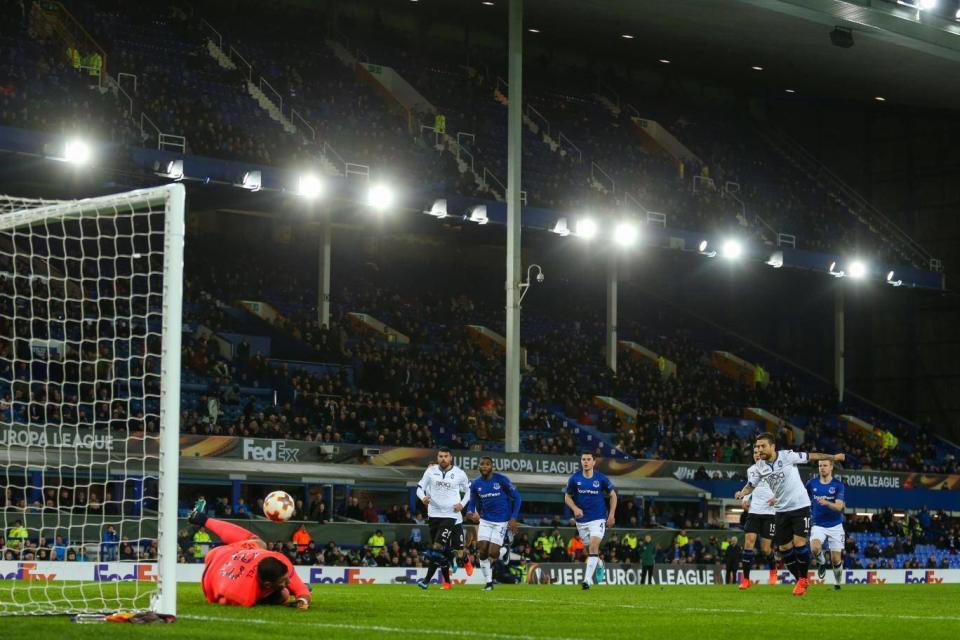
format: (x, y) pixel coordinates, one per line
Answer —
(242, 572)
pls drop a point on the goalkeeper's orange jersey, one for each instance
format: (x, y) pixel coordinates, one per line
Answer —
(230, 576)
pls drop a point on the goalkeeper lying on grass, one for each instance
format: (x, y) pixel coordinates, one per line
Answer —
(242, 572)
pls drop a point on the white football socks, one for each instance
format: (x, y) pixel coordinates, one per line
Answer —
(592, 562)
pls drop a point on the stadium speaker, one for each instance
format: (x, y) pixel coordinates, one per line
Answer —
(841, 37)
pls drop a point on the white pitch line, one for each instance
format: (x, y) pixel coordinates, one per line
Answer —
(649, 607)
(810, 614)
(371, 627)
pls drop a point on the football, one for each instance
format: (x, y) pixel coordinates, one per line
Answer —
(278, 506)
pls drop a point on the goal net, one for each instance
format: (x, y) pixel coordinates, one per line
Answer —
(90, 320)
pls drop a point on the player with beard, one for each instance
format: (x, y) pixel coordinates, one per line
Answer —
(778, 469)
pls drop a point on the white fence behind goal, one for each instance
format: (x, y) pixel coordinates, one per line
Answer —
(90, 319)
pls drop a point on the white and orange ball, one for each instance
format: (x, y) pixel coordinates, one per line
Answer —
(278, 506)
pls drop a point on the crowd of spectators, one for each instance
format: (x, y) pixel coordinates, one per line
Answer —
(20, 544)
(441, 388)
(186, 92)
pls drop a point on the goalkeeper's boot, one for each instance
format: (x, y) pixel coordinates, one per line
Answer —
(744, 584)
(198, 516)
(453, 562)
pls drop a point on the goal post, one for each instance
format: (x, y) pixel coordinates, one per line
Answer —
(91, 295)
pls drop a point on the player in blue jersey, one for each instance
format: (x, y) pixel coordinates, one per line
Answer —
(827, 495)
(495, 504)
(586, 495)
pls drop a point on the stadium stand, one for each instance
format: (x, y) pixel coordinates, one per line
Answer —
(579, 153)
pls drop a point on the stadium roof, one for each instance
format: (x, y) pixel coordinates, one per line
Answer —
(896, 55)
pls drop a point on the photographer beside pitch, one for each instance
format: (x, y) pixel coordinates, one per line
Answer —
(778, 469)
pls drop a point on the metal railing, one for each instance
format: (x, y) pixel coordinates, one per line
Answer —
(154, 130)
(763, 223)
(121, 90)
(214, 31)
(488, 174)
(263, 83)
(540, 119)
(563, 140)
(71, 32)
(876, 217)
(631, 202)
(124, 74)
(787, 240)
(461, 150)
(356, 169)
(296, 117)
(233, 52)
(436, 134)
(503, 83)
(327, 151)
(596, 171)
(743, 207)
(707, 182)
(659, 219)
(171, 142)
(469, 157)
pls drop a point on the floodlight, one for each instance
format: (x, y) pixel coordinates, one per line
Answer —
(478, 214)
(380, 197)
(76, 151)
(731, 249)
(309, 186)
(561, 228)
(625, 234)
(586, 228)
(174, 170)
(252, 180)
(857, 269)
(438, 209)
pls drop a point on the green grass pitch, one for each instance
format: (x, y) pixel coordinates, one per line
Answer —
(529, 612)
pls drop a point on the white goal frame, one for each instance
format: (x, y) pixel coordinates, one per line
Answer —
(171, 199)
